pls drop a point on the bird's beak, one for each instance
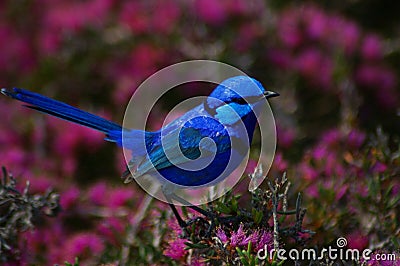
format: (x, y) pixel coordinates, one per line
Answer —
(270, 94)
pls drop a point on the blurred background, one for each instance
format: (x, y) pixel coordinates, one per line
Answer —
(335, 64)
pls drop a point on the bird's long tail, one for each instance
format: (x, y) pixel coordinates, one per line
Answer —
(65, 111)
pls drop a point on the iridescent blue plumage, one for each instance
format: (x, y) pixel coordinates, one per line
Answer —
(232, 103)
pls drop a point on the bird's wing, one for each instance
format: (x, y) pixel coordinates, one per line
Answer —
(186, 141)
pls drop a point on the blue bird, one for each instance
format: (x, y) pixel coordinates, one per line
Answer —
(227, 118)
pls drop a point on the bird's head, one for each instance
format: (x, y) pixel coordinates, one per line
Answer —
(239, 95)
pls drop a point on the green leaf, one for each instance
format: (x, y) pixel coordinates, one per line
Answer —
(76, 263)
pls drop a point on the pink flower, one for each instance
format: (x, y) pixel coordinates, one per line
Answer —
(347, 35)
(286, 136)
(135, 16)
(239, 238)
(264, 238)
(319, 152)
(396, 189)
(173, 224)
(120, 196)
(49, 40)
(83, 245)
(176, 249)
(308, 172)
(331, 137)
(379, 167)
(317, 23)
(210, 11)
(355, 138)
(97, 193)
(371, 48)
(375, 76)
(168, 13)
(251, 166)
(73, 16)
(382, 81)
(69, 198)
(280, 164)
(222, 236)
(197, 261)
(68, 165)
(288, 30)
(341, 191)
(111, 229)
(316, 67)
(312, 191)
(41, 184)
(357, 241)
(17, 55)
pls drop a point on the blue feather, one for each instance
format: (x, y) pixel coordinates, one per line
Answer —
(66, 112)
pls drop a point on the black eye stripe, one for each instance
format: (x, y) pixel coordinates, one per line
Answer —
(240, 100)
(250, 99)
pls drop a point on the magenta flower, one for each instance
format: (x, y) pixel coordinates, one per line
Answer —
(396, 189)
(355, 138)
(97, 192)
(239, 237)
(312, 191)
(315, 66)
(341, 191)
(197, 261)
(69, 198)
(134, 16)
(279, 164)
(357, 240)
(212, 12)
(308, 172)
(371, 48)
(285, 135)
(120, 196)
(83, 245)
(222, 236)
(379, 167)
(347, 34)
(382, 81)
(264, 238)
(289, 32)
(331, 137)
(176, 249)
(320, 152)
(111, 229)
(73, 16)
(168, 13)
(317, 23)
